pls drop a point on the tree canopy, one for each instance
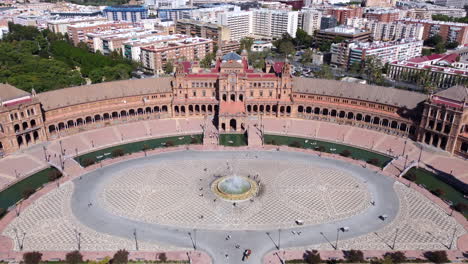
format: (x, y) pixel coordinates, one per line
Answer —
(43, 60)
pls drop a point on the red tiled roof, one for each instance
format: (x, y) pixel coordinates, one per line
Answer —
(278, 66)
(426, 58)
(187, 66)
(450, 58)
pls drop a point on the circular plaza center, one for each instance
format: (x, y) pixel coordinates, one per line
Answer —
(235, 188)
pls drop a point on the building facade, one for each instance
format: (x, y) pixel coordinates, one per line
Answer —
(131, 13)
(239, 23)
(232, 92)
(77, 33)
(449, 31)
(217, 33)
(347, 33)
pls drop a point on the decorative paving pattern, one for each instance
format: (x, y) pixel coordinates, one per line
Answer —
(420, 225)
(178, 193)
(49, 224)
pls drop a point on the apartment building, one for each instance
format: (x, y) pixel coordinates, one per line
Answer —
(131, 49)
(449, 31)
(348, 33)
(155, 57)
(387, 31)
(239, 23)
(131, 13)
(402, 50)
(77, 33)
(60, 25)
(452, 3)
(194, 28)
(343, 13)
(274, 23)
(383, 15)
(109, 41)
(310, 20)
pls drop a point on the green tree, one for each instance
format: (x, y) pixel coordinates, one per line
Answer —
(120, 257)
(440, 48)
(396, 257)
(246, 44)
(355, 67)
(307, 56)
(286, 48)
(206, 62)
(32, 257)
(451, 45)
(325, 72)
(74, 257)
(436, 256)
(169, 67)
(303, 39)
(354, 256)
(312, 257)
(373, 70)
(433, 40)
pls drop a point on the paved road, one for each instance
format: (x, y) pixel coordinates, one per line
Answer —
(213, 241)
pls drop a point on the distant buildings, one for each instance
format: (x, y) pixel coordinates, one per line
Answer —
(77, 33)
(343, 13)
(131, 13)
(239, 23)
(449, 31)
(164, 3)
(435, 69)
(386, 15)
(328, 22)
(310, 21)
(217, 33)
(60, 25)
(452, 3)
(346, 54)
(379, 3)
(382, 31)
(347, 33)
(155, 57)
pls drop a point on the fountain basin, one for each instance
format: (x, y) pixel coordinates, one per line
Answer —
(234, 188)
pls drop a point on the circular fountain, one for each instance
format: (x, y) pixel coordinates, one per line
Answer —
(234, 188)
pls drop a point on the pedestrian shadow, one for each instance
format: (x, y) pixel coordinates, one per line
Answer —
(437, 239)
(383, 240)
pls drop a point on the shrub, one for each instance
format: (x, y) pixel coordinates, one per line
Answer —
(117, 153)
(410, 176)
(88, 162)
(162, 257)
(295, 144)
(460, 207)
(373, 161)
(354, 256)
(32, 257)
(438, 192)
(320, 148)
(436, 256)
(312, 257)
(145, 147)
(396, 257)
(345, 153)
(54, 175)
(28, 192)
(74, 257)
(170, 143)
(120, 257)
(194, 140)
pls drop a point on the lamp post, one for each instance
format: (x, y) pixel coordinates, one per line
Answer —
(136, 240)
(394, 239)
(337, 237)
(78, 239)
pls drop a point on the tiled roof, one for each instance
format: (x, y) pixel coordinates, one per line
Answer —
(103, 91)
(8, 92)
(371, 93)
(456, 93)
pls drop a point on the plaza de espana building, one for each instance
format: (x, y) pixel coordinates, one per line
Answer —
(232, 93)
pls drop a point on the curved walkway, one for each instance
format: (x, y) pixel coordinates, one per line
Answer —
(321, 130)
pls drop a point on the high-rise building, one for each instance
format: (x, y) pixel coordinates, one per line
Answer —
(155, 4)
(452, 3)
(310, 21)
(155, 57)
(328, 22)
(274, 23)
(217, 33)
(347, 33)
(385, 15)
(343, 13)
(383, 31)
(132, 13)
(239, 23)
(449, 31)
(77, 33)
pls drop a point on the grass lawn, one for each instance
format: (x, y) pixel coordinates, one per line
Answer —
(233, 140)
(14, 193)
(356, 153)
(432, 182)
(139, 146)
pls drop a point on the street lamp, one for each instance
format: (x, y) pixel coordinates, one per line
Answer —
(136, 240)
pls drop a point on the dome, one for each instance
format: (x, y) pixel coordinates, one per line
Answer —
(232, 56)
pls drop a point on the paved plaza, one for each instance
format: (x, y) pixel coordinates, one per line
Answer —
(163, 202)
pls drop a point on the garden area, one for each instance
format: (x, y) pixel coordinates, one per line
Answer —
(370, 157)
(26, 187)
(91, 158)
(233, 140)
(431, 182)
